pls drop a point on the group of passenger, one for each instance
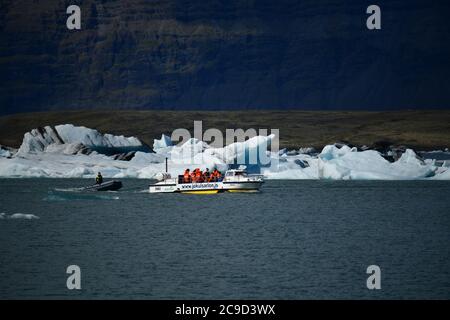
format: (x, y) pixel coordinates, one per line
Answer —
(198, 175)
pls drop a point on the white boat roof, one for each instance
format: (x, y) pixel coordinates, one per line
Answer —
(236, 170)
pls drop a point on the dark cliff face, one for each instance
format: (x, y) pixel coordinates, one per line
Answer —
(180, 54)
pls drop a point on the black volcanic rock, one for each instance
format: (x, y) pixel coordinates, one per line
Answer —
(223, 54)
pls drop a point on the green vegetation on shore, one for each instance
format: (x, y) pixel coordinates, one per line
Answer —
(423, 130)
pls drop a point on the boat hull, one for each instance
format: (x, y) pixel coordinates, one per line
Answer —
(105, 186)
(201, 192)
(206, 187)
(244, 186)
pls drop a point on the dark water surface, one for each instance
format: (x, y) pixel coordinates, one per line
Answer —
(293, 240)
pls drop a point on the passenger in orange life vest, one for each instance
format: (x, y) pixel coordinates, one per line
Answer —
(216, 175)
(193, 175)
(219, 175)
(186, 176)
(198, 175)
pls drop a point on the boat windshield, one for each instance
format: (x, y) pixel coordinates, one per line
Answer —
(235, 173)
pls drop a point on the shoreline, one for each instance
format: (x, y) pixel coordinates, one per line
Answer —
(422, 130)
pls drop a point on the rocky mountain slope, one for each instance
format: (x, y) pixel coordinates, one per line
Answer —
(178, 54)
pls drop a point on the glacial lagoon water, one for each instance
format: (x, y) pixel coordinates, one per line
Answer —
(293, 240)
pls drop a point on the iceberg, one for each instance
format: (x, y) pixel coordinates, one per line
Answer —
(92, 138)
(5, 153)
(67, 151)
(69, 139)
(161, 145)
(23, 216)
(18, 216)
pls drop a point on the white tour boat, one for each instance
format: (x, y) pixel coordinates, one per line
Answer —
(235, 180)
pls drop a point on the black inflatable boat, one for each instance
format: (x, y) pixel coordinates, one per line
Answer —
(106, 186)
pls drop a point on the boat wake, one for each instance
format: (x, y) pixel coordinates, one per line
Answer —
(141, 191)
(68, 189)
(78, 196)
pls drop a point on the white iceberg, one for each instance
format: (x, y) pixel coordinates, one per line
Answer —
(162, 145)
(5, 153)
(61, 152)
(92, 138)
(347, 163)
(18, 216)
(69, 139)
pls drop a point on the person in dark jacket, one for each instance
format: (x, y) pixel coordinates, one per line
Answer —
(99, 178)
(206, 175)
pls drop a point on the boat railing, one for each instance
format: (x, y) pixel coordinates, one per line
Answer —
(245, 177)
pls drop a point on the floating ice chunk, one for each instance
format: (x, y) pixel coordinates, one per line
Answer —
(38, 139)
(68, 148)
(143, 158)
(69, 139)
(92, 138)
(23, 216)
(18, 216)
(442, 174)
(410, 157)
(79, 172)
(247, 152)
(330, 152)
(58, 152)
(348, 163)
(5, 153)
(411, 166)
(10, 168)
(162, 143)
(126, 173)
(289, 173)
(307, 150)
(188, 149)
